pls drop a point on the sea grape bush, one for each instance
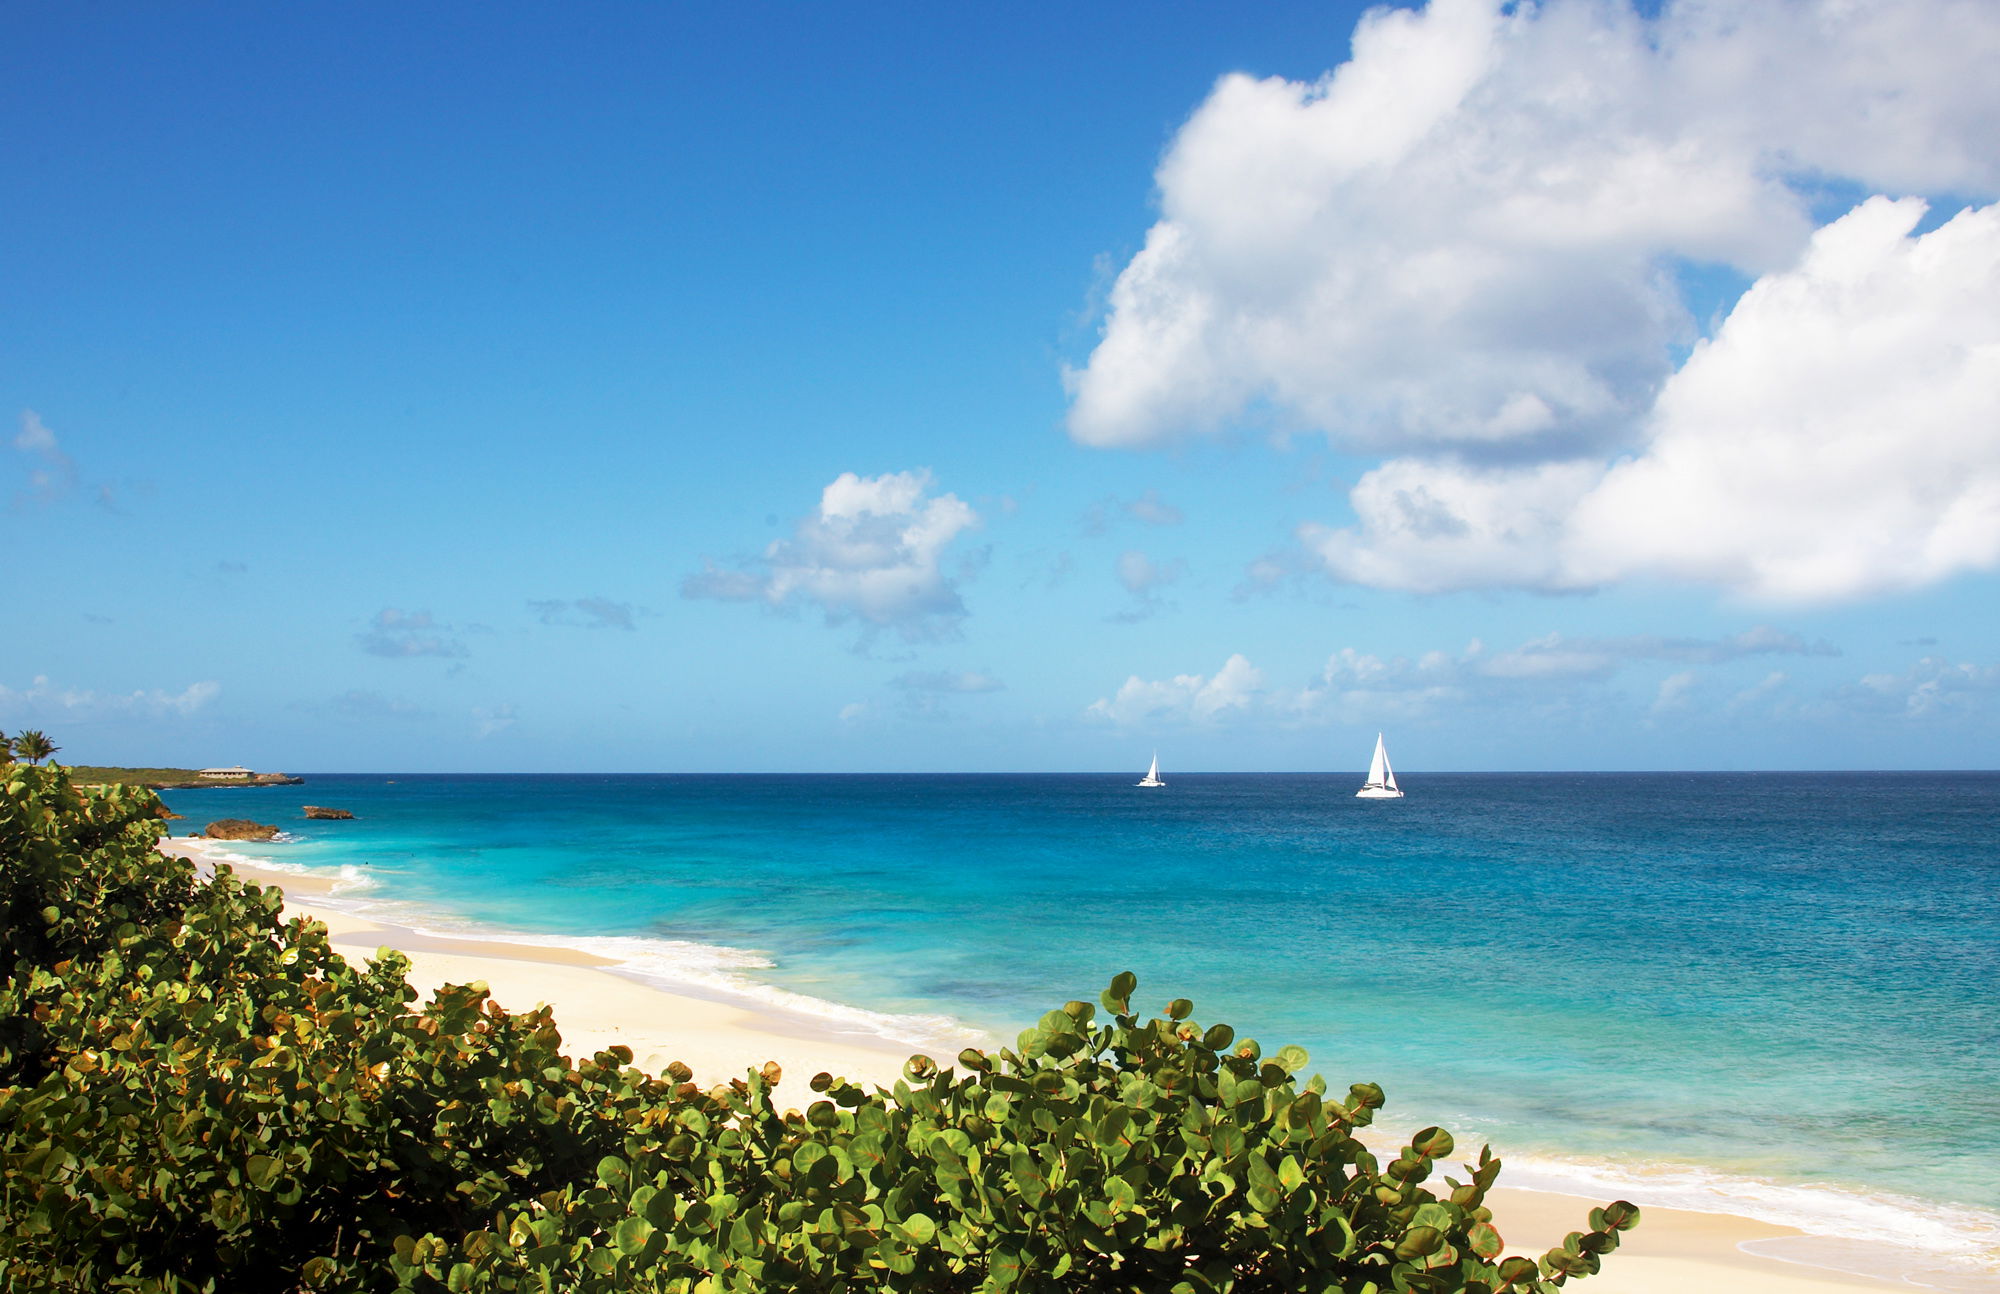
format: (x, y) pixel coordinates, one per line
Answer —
(198, 1095)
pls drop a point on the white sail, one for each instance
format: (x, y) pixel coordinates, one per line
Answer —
(1381, 783)
(1152, 777)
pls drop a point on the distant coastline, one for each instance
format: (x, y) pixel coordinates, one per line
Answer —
(171, 779)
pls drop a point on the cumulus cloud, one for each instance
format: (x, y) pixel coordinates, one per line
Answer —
(1459, 237)
(1835, 439)
(872, 551)
(1184, 698)
(587, 613)
(399, 634)
(1465, 250)
(53, 473)
(43, 697)
(1838, 436)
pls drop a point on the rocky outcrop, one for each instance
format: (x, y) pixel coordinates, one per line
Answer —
(321, 811)
(240, 829)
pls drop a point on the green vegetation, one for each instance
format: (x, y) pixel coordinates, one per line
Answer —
(33, 746)
(196, 1095)
(95, 775)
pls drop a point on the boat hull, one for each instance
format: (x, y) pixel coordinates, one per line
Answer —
(1377, 793)
(1151, 781)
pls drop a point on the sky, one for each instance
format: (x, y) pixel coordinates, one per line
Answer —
(835, 388)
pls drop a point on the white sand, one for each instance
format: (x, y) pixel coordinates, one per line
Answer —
(1671, 1252)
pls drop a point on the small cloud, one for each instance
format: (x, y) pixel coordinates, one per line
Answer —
(1933, 687)
(852, 711)
(872, 551)
(1756, 692)
(488, 721)
(43, 697)
(1141, 577)
(1184, 698)
(587, 613)
(963, 682)
(399, 634)
(54, 473)
(1673, 693)
(231, 568)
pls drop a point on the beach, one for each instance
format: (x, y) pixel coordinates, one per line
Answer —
(597, 1007)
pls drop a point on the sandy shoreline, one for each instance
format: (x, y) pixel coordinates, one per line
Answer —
(1673, 1251)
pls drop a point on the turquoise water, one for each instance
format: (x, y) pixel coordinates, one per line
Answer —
(1774, 993)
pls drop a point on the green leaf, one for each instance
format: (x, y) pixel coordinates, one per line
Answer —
(1418, 1242)
(631, 1236)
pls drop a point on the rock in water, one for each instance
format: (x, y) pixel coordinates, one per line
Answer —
(321, 811)
(240, 829)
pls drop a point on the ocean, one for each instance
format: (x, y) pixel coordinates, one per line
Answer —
(1772, 994)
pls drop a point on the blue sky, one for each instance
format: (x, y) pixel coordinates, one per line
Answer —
(756, 388)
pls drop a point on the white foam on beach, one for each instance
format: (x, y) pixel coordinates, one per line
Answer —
(719, 971)
(1923, 1243)
(712, 971)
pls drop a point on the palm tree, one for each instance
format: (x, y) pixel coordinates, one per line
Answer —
(34, 746)
(6, 749)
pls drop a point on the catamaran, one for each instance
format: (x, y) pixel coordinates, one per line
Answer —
(1381, 783)
(1152, 777)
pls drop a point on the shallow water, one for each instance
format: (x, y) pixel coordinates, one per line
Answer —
(1772, 993)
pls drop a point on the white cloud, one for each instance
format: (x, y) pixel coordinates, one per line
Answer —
(1458, 238)
(1463, 249)
(1358, 686)
(41, 697)
(1433, 527)
(1184, 698)
(1839, 437)
(872, 551)
(853, 711)
(1673, 693)
(1933, 687)
(1835, 439)
(489, 721)
(54, 473)
(1758, 692)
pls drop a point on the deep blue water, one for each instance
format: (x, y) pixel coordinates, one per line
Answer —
(1777, 979)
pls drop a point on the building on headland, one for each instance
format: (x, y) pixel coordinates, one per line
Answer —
(236, 774)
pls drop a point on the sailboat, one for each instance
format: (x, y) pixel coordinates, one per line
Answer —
(1381, 783)
(1152, 777)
